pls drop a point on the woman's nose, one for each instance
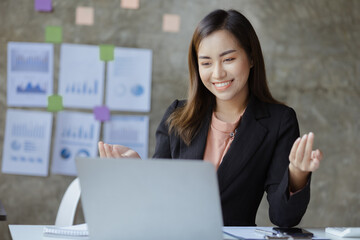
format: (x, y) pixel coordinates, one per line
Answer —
(219, 72)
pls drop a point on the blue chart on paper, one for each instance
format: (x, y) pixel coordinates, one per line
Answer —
(83, 153)
(15, 145)
(79, 133)
(29, 61)
(82, 88)
(30, 88)
(65, 153)
(137, 90)
(28, 130)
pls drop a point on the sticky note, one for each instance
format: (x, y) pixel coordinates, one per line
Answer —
(171, 23)
(53, 34)
(102, 113)
(43, 5)
(84, 16)
(130, 4)
(106, 52)
(55, 103)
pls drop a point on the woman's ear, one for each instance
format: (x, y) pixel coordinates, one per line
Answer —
(251, 63)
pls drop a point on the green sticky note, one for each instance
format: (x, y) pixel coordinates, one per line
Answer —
(55, 103)
(53, 34)
(107, 52)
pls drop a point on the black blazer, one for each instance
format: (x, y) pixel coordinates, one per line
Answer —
(256, 161)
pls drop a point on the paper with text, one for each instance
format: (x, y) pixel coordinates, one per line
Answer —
(130, 131)
(27, 142)
(81, 76)
(76, 134)
(128, 86)
(29, 74)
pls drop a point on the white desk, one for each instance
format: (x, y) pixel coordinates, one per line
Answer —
(34, 232)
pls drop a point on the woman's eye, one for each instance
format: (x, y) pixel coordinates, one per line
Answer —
(229, 59)
(205, 64)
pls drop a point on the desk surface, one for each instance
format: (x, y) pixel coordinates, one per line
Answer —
(35, 232)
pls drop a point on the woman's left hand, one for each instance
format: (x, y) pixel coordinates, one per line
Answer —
(303, 160)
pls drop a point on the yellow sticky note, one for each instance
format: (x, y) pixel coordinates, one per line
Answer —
(53, 34)
(130, 4)
(84, 16)
(171, 23)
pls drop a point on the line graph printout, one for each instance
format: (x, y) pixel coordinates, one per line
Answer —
(27, 142)
(130, 131)
(76, 134)
(81, 76)
(128, 86)
(30, 73)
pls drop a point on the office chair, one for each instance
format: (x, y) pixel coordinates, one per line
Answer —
(66, 213)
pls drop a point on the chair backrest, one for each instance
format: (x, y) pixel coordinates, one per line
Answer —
(66, 213)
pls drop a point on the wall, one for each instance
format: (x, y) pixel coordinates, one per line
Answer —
(311, 49)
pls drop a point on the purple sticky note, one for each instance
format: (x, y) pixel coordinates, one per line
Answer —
(102, 113)
(43, 5)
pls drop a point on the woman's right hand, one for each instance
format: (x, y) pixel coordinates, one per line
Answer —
(116, 151)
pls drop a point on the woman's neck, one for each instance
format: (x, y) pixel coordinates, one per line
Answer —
(230, 111)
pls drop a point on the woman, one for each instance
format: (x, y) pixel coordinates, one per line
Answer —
(231, 120)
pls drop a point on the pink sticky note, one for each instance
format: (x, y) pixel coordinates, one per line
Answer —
(131, 4)
(43, 5)
(102, 113)
(171, 23)
(84, 16)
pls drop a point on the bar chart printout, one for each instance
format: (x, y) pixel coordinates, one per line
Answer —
(76, 134)
(130, 131)
(30, 74)
(128, 86)
(27, 142)
(81, 76)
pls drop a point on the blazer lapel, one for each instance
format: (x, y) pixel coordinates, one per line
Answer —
(248, 139)
(197, 146)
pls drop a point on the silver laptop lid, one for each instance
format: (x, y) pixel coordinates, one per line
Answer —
(150, 199)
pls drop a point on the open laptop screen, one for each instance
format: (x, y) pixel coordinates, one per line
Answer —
(150, 199)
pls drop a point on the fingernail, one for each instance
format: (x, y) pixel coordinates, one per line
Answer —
(305, 135)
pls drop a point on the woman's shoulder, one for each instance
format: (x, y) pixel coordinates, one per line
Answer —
(174, 105)
(177, 103)
(275, 108)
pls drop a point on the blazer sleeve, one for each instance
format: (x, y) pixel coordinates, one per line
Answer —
(162, 148)
(285, 210)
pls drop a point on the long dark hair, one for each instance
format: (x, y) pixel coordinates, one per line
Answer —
(186, 120)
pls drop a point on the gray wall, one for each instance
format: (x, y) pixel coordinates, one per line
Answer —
(311, 49)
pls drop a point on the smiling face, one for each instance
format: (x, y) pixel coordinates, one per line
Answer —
(224, 67)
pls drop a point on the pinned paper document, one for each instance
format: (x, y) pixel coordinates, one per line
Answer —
(29, 73)
(81, 76)
(27, 142)
(76, 134)
(84, 16)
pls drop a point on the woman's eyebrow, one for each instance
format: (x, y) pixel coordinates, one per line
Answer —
(220, 55)
(227, 52)
(204, 57)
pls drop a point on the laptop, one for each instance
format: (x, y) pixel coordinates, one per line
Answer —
(150, 199)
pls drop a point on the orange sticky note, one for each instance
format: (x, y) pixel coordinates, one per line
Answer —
(131, 4)
(84, 16)
(171, 23)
